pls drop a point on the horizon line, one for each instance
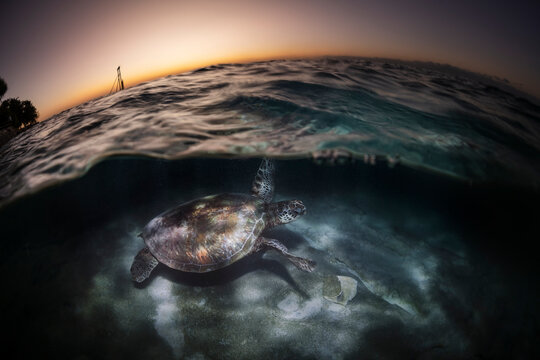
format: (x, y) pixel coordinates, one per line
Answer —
(97, 94)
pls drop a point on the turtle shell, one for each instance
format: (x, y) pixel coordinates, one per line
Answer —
(207, 233)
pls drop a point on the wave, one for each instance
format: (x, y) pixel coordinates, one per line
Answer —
(422, 115)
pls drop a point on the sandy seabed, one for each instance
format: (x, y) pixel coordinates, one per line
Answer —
(423, 289)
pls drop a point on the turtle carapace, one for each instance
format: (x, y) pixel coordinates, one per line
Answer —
(212, 232)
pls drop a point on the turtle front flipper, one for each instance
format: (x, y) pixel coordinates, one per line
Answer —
(301, 263)
(142, 266)
(263, 185)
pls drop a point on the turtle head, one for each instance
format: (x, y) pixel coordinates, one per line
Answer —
(284, 212)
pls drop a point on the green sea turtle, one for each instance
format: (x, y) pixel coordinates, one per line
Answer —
(212, 232)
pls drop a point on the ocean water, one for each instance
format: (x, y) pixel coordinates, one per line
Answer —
(420, 180)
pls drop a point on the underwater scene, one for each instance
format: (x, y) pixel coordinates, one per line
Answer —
(370, 209)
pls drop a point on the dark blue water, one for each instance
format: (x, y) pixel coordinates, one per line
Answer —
(420, 183)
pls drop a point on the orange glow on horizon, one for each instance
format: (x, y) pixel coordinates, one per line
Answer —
(130, 80)
(77, 55)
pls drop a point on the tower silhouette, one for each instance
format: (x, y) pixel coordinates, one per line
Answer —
(118, 82)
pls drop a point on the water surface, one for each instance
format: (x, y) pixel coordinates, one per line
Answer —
(422, 115)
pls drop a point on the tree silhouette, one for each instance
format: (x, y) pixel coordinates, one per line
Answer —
(3, 88)
(14, 112)
(29, 113)
(5, 117)
(18, 113)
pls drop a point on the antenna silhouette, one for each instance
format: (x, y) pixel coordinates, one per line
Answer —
(118, 82)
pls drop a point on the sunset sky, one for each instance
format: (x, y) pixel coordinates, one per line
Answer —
(60, 53)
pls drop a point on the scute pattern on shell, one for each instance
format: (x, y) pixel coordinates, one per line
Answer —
(206, 234)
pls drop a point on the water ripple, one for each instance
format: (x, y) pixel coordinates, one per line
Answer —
(429, 116)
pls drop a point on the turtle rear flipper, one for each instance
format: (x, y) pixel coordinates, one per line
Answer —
(142, 266)
(301, 263)
(263, 185)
